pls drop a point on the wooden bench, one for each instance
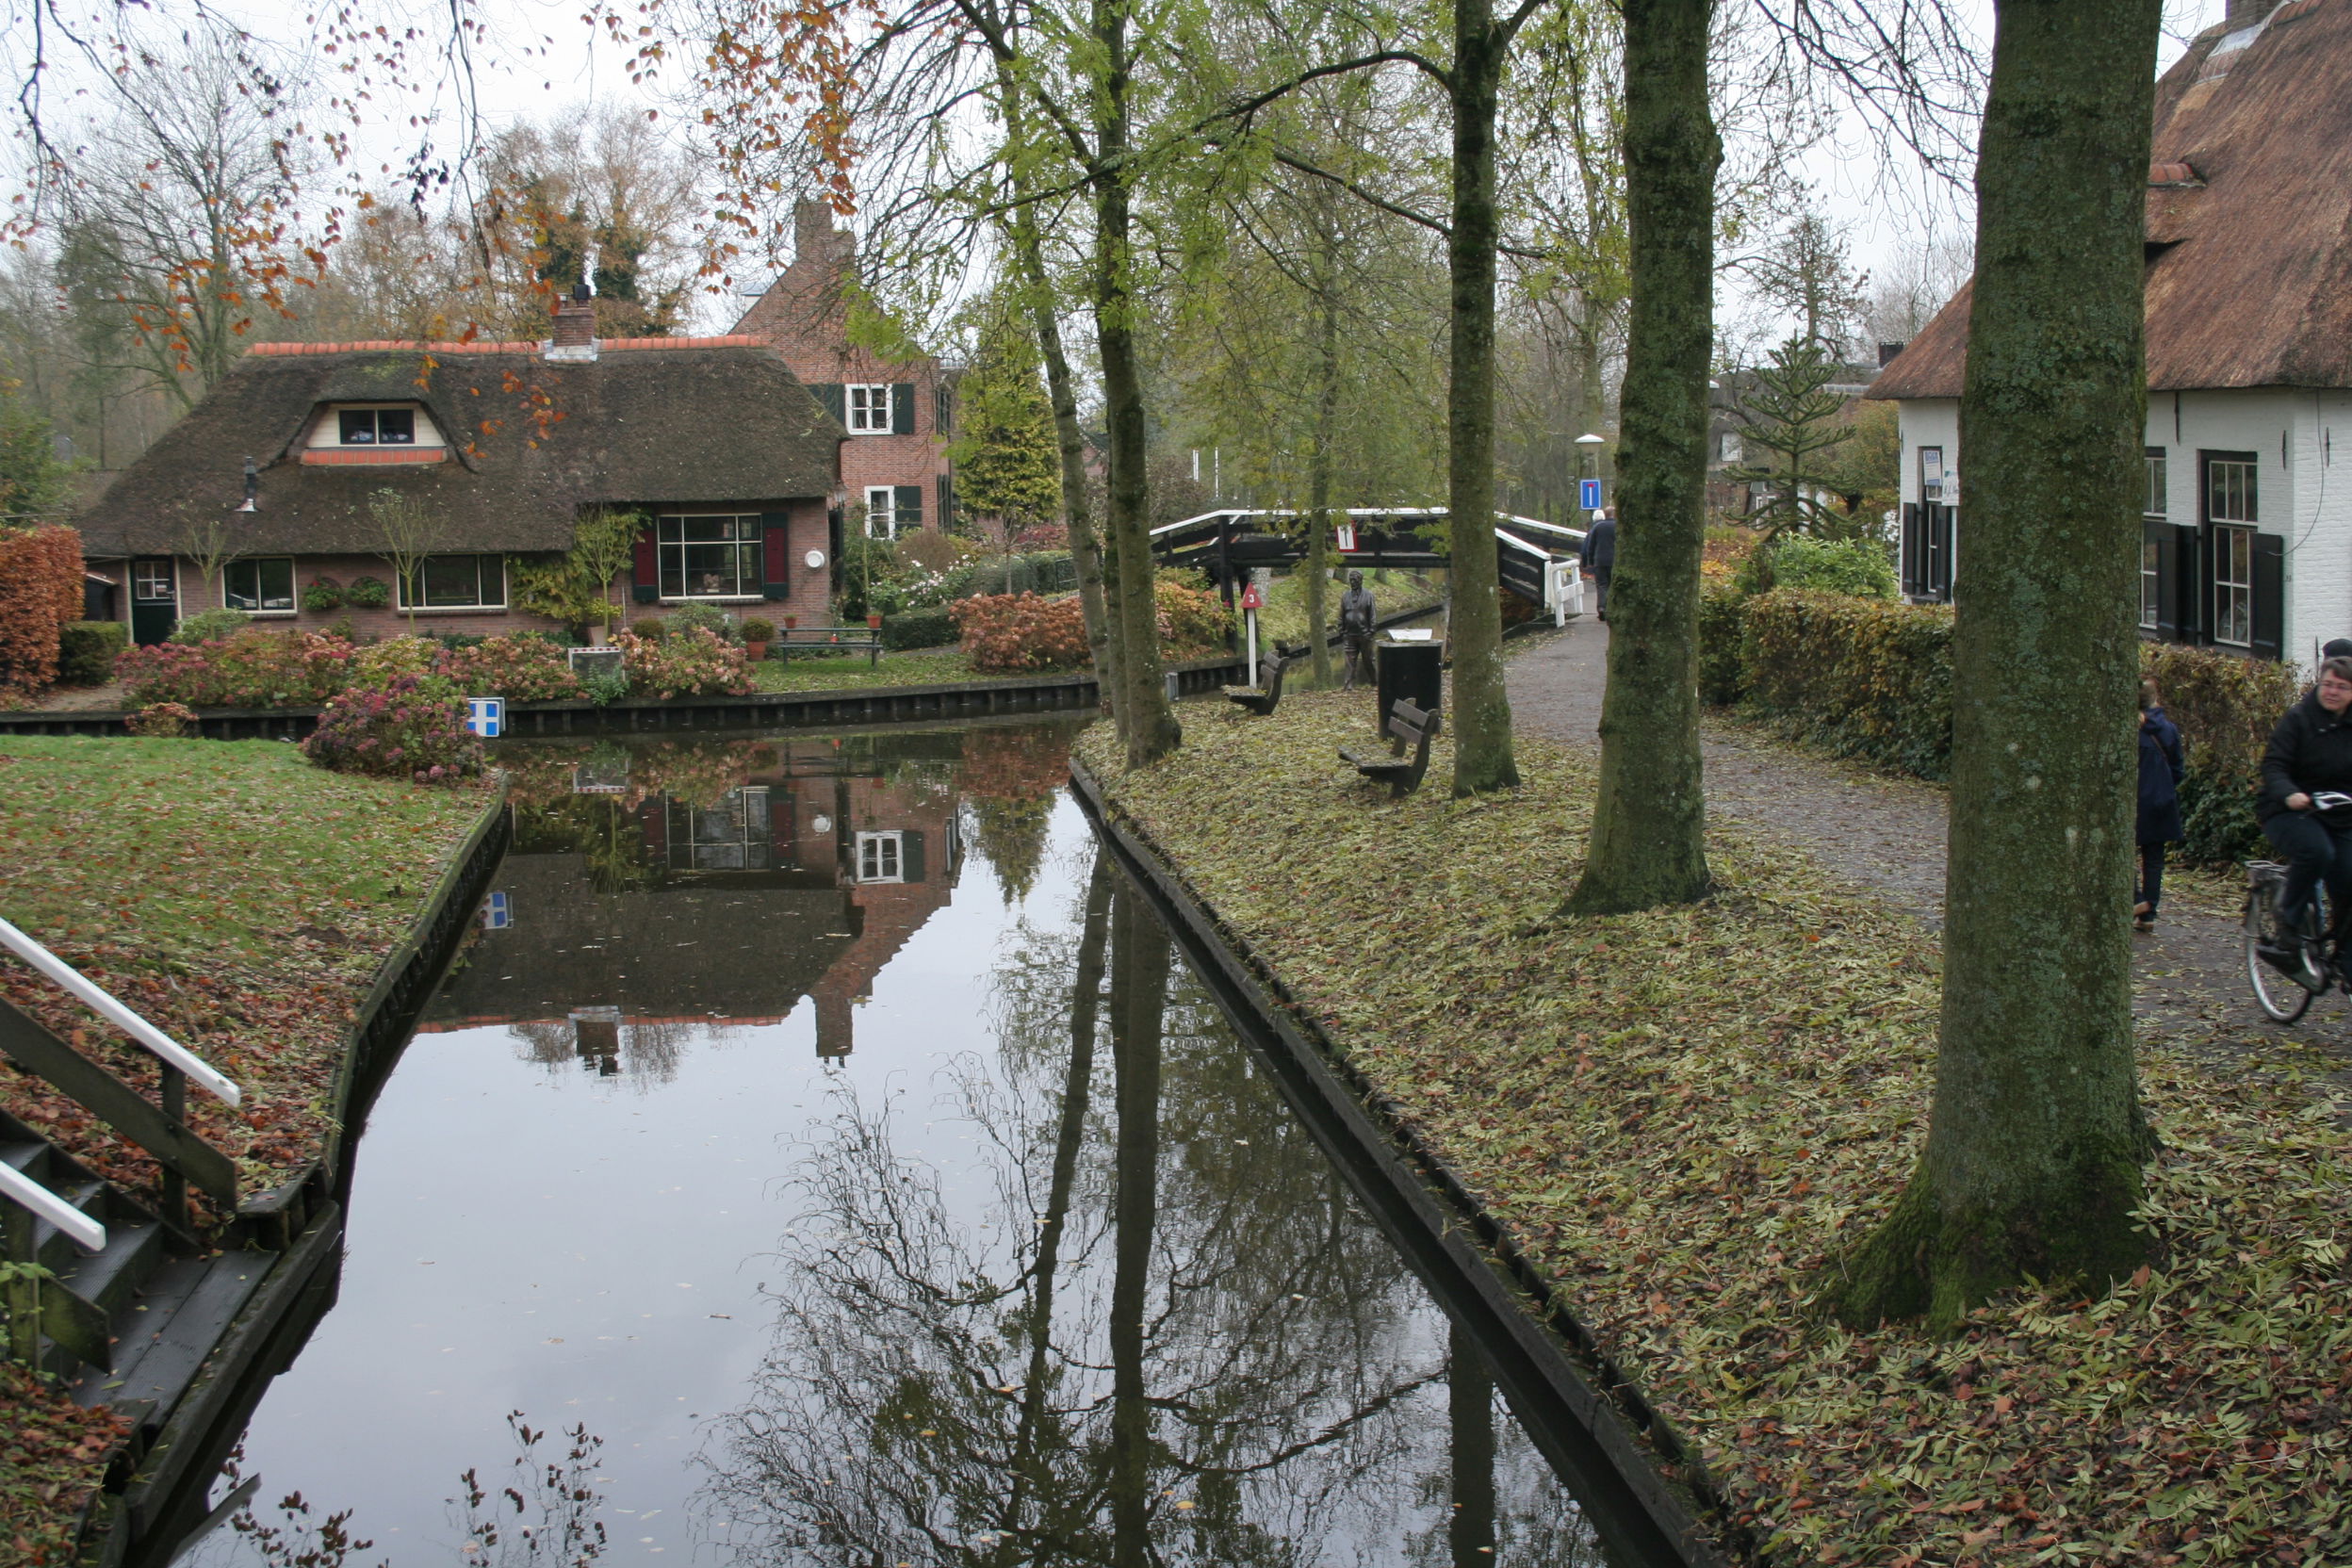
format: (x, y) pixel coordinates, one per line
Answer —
(1267, 695)
(827, 640)
(1407, 726)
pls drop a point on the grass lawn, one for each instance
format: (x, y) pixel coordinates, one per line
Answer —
(1681, 1114)
(912, 667)
(241, 899)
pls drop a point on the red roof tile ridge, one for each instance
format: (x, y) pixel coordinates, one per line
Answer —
(382, 345)
(728, 340)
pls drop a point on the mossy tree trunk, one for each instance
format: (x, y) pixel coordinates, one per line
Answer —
(2035, 1149)
(1140, 965)
(1146, 722)
(1648, 845)
(1482, 715)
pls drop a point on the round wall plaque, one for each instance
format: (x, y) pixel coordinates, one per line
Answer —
(815, 559)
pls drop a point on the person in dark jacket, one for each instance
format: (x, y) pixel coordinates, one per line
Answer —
(2310, 754)
(2161, 772)
(1599, 554)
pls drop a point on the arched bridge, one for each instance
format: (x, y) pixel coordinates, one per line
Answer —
(1534, 559)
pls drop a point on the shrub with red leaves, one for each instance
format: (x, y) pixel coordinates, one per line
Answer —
(1021, 631)
(41, 590)
(410, 727)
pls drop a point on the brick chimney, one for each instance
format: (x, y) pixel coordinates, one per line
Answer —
(574, 327)
(815, 239)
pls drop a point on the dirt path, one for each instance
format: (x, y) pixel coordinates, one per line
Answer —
(1886, 835)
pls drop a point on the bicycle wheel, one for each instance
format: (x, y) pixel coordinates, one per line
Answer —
(2271, 949)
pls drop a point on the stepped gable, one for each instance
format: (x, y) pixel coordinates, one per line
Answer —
(2249, 216)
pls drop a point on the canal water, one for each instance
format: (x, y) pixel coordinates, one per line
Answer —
(817, 1158)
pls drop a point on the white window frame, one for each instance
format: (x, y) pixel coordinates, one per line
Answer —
(886, 509)
(293, 594)
(881, 858)
(341, 411)
(2151, 584)
(748, 580)
(401, 589)
(2233, 585)
(143, 580)
(1729, 448)
(2155, 507)
(867, 406)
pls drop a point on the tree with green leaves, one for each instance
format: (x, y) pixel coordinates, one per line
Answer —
(1791, 425)
(578, 590)
(35, 483)
(2033, 1167)
(1007, 468)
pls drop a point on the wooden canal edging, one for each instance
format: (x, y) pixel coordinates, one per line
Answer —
(293, 1238)
(760, 710)
(1586, 1416)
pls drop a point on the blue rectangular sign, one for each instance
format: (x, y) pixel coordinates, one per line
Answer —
(1589, 494)
(485, 716)
(496, 913)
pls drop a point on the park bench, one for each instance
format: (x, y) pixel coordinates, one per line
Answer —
(1267, 695)
(826, 640)
(1407, 726)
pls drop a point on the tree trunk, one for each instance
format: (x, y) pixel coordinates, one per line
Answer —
(1138, 987)
(1146, 722)
(1319, 471)
(1470, 1418)
(1473, 628)
(1648, 844)
(2036, 1144)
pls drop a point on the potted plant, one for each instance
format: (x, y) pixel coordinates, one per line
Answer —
(790, 621)
(323, 596)
(367, 593)
(873, 620)
(757, 635)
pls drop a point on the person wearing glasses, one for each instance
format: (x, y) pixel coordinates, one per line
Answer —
(2309, 756)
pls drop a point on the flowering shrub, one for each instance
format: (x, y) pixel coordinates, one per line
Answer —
(692, 663)
(1193, 621)
(1021, 631)
(162, 721)
(521, 669)
(652, 628)
(407, 726)
(210, 626)
(40, 591)
(323, 596)
(253, 669)
(378, 662)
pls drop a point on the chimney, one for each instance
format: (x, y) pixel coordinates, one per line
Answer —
(1886, 353)
(575, 328)
(253, 487)
(835, 1025)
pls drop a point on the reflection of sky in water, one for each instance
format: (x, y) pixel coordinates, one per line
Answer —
(635, 1251)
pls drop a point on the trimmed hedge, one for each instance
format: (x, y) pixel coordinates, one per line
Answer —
(86, 651)
(918, 628)
(1864, 678)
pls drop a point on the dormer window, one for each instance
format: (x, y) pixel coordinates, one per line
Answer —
(378, 427)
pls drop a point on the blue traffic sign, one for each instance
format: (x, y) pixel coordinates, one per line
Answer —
(1589, 494)
(485, 716)
(496, 913)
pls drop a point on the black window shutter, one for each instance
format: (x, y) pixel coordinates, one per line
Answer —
(775, 555)
(1911, 550)
(903, 408)
(833, 539)
(947, 502)
(942, 409)
(910, 856)
(2168, 541)
(907, 500)
(835, 399)
(1939, 551)
(2270, 595)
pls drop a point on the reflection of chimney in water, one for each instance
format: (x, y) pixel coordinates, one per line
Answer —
(596, 1036)
(834, 1024)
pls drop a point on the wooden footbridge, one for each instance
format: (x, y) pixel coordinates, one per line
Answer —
(1534, 559)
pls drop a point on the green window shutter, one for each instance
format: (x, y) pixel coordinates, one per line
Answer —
(907, 500)
(947, 502)
(903, 408)
(834, 398)
(910, 856)
(2270, 595)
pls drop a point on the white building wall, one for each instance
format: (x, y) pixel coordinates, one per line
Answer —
(1928, 422)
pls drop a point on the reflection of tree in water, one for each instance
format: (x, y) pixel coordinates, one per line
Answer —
(646, 1054)
(1011, 778)
(1168, 1338)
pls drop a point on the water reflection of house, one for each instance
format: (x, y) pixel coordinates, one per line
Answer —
(803, 880)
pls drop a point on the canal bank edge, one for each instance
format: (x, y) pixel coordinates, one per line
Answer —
(141, 1515)
(1588, 1419)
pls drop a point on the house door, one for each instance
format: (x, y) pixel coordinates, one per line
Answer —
(155, 599)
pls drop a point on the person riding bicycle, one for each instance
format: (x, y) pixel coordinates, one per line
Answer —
(2310, 754)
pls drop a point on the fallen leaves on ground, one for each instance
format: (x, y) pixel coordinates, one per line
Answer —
(53, 1453)
(1679, 1114)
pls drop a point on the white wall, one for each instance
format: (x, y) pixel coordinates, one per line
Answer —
(1928, 422)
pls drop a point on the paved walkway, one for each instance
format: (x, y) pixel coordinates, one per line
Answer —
(1886, 834)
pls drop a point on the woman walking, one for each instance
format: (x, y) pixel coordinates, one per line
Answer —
(2161, 772)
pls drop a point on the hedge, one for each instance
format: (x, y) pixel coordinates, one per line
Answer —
(918, 628)
(86, 651)
(1869, 678)
(40, 592)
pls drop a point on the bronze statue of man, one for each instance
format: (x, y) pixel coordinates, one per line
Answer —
(1356, 614)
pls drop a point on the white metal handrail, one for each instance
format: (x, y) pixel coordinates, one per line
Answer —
(146, 1033)
(88, 1233)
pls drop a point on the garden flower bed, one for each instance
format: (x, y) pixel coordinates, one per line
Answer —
(1679, 1117)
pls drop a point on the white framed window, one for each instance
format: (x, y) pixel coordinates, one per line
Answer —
(263, 585)
(2233, 586)
(376, 426)
(153, 580)
(2154, 506)
(881, 858)
(456, 582)
(881, 512)
(715, 557)
(2151, 576)
(2230, 493)
(1729, 448)
(870, 409)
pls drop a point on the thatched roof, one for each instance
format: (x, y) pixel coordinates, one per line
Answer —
(2250, 217)
(651, 422)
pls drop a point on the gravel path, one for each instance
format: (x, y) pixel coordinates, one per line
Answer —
(1885, 833)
